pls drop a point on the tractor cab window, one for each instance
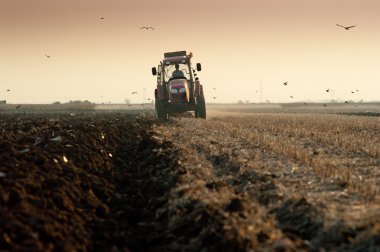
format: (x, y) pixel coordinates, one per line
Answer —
(171, 71)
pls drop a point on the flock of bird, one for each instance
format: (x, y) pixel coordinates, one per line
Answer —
(327, 91)
(284, 83)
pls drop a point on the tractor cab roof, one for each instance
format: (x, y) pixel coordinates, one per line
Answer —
(173, 60)
(176, 57)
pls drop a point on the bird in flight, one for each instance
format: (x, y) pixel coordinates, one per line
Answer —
(102, 18)
(134, 92)
(291, 97)
(346, 27)
(352, 92)
(8, 90)
(214, 88)
(346, 102)
(47, 56)
(285, 83)
(214, 97)
(147, 27)
(327, 90)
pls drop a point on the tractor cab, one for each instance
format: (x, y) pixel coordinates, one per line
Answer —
(178, 79)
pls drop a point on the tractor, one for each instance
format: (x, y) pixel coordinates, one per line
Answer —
(178, 87)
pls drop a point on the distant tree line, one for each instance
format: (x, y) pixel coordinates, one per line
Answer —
(75, 102)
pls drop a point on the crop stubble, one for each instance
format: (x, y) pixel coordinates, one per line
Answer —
(316, 177)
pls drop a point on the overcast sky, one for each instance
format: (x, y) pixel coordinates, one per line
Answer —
(240, 43)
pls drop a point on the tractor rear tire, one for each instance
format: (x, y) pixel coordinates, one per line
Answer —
(200, 110)
(161, 112)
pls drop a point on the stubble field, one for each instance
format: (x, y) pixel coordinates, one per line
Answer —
(117, 181)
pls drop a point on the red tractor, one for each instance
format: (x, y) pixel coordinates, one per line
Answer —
(178, 87)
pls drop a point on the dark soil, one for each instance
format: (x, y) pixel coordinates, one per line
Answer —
(79, 182)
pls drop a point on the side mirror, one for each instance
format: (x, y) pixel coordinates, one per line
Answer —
(154, 71)
(199, 67)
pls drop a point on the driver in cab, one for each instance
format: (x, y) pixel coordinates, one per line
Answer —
(177, 73)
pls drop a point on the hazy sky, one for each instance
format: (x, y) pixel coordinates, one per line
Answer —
(240, 43)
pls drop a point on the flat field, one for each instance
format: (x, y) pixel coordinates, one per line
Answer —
(249, 178)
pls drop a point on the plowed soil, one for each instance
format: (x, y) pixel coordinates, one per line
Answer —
(112, 181)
